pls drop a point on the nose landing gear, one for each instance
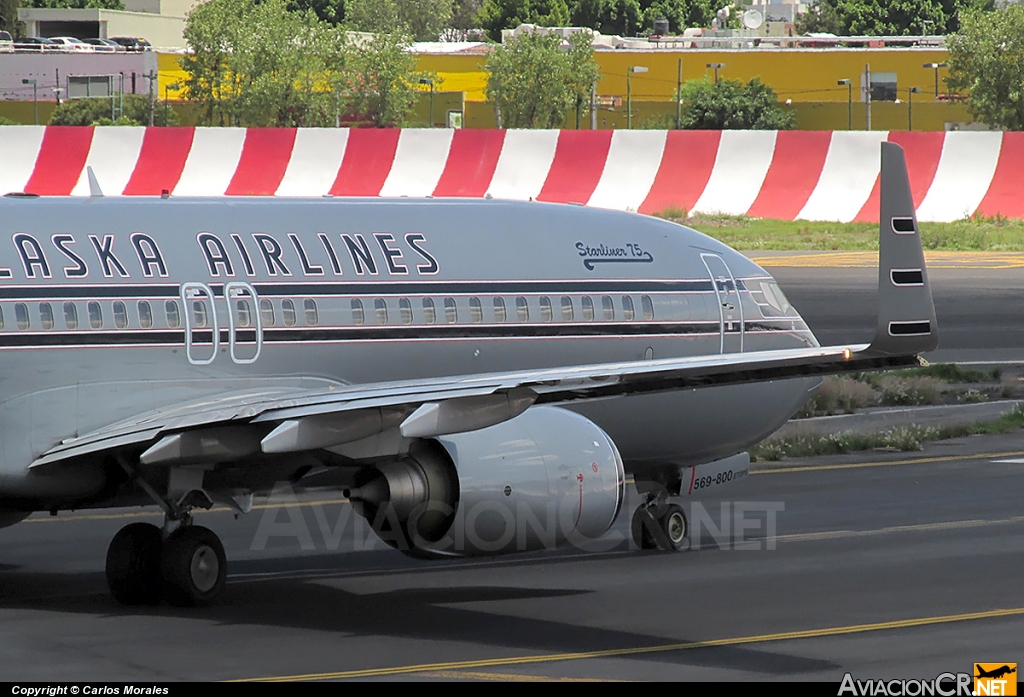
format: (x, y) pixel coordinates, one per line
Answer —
(660, 527)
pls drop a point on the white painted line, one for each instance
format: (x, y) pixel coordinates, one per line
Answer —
(741, 165)
(526, 157)
(629, 170)
(113, 154)
(19, 150)
(965, 171)
(315, 161)
(851, 167)
(1011, 461)
(419, 161)
(211, 162)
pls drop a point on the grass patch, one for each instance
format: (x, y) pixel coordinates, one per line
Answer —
(950, 372)
(976, 233)
(902, 438)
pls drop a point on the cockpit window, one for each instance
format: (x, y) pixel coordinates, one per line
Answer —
(769, 298)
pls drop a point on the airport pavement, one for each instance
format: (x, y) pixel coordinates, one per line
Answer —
(887, 565)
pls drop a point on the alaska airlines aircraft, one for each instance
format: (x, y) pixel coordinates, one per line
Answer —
(450, 364)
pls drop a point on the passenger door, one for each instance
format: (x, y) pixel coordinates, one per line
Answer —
(730, 309)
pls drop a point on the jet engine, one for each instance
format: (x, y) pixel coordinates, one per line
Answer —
(543, 479)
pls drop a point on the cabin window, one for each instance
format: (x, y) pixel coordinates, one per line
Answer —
(648, 307)
(243, 315)
(588, 309)
(70, 315)
(288, 313)
(608, 308)
(145, 314)
(173, 318)
(476, 310)
(199, 316)
(627, 308)
(21, 315)
(545, 308)
(96, 315)
(405, 310)
(429, 312)
(451, 312)
(266, 313)
(522, 309)
(120, 315)
(46, 315)
(380, 308)
(567, 311)
(357, 311)
(499, 310)
(312, 316)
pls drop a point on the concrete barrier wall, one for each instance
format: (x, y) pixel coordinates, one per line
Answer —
(810, 175)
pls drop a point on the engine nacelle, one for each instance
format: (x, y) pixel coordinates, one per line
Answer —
(543, 479)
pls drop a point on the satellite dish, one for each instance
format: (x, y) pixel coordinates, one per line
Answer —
(753, 19)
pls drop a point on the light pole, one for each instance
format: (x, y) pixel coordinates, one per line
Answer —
(170, 86)
(629, 94)
(35, 100)
(935, 67)
(867, 97)
(716, 66)
(428, 81)
(911, 91)
(849, 102)
(679, 96)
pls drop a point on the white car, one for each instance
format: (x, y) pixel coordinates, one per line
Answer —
(6, 43)
(70, 43)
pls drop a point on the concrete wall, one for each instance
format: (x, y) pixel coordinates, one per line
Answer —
(44, 68)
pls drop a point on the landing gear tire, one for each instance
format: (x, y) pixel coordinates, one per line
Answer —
(675, 526)
(193, 567)
(667, 533)
(133, 565)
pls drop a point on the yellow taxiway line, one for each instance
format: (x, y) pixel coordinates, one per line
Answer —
(869, 259)
(429, 668)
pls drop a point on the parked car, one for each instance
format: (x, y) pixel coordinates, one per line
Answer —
(104, 45)
(6, 43)
(70, 43)
(132, 43)
(35, 43)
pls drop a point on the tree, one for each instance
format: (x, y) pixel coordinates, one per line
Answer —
(534, 83)
(330, 11)
(888, 17)
(422, 19)
(731, 104)
(986, 58)
(496, 15)
(99, 110)
(76, 4)
(9, 17)
(379, 82)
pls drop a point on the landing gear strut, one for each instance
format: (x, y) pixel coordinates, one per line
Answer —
(661, 527)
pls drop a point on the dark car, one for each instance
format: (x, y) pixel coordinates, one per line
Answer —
(34, 43)
(105, 45)
(131, 43)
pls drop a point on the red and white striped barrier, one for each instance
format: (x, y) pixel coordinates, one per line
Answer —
(811, 175)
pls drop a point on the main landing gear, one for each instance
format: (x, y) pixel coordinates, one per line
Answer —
(660, 526)
(186, 568)
(181, 563)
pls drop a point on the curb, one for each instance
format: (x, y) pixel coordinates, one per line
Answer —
(879, 419)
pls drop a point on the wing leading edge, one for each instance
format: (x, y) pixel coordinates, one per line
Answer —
(245, 423)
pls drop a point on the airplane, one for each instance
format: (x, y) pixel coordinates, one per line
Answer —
(996, 672)
(477, 376)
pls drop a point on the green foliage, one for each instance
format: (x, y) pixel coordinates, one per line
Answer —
(263, 65)
(9, 18)
(622, 17)
(4, 121)
(422, 19)
(986, 58)
(534, 83)
(496, 15)
(730, 104)
(76, 4)
(97, 111)
(330, 11)
(887, 18)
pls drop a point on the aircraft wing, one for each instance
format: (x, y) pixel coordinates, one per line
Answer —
(237, 425)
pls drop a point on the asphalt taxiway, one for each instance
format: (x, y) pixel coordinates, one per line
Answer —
(887, 565)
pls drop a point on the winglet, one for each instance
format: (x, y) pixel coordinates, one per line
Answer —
(906, 314)
(94, 184)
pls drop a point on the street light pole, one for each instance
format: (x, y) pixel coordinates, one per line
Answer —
(629, 93)
(911, 91)
(679, 96)
(35, 99)
(849, 102)
(716, 66)
(935, 67)
(428, 81)
(867, 97)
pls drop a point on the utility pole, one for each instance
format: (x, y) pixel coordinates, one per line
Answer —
(867, 97)
(593, 106)
(679, 95)
(152, 77)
